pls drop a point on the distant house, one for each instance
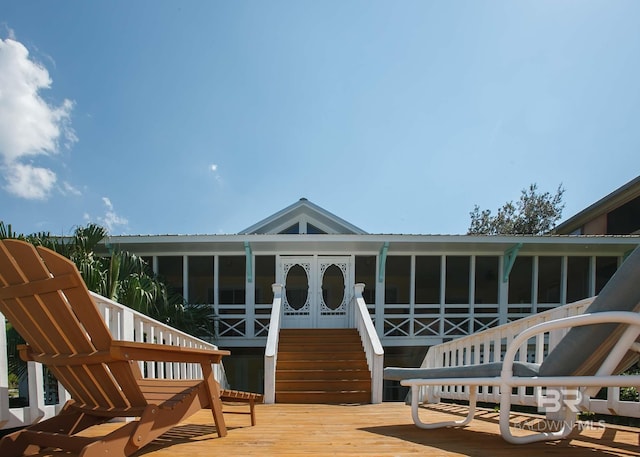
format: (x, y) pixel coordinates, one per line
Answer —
(616, 214)
(420, 289)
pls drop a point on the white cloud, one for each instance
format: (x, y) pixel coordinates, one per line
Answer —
(29, 126)
(8, 30)
(69, 189)
(27, 181)
(111, 219)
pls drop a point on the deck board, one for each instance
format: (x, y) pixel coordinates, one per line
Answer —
(369, 430)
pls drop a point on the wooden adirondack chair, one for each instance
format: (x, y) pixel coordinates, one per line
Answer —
(43, 295)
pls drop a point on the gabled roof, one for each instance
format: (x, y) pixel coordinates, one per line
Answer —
(303, 217)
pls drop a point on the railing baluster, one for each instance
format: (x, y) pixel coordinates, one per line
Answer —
(493, 344)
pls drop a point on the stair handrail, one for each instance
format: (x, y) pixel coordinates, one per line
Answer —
(271, 351)
(371, 343)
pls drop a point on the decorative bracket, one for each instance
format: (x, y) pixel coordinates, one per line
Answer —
(383, 260)
(510, 256)
(249, 262)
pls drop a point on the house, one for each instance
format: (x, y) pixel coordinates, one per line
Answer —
(616, 214)
(420, 289)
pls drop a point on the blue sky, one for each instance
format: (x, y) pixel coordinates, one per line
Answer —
(194, 117)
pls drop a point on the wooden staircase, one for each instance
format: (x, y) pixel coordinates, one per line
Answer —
(322, 366)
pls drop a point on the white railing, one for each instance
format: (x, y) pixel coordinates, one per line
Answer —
(366, 329)
(271, 351)
(490, 345)
(124, 324)
(370, 342)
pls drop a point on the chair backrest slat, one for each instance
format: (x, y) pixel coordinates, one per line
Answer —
(55, 316)
(46, 320)
(79, 299)
(40, 287)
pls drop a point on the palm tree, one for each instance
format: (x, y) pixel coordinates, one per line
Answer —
(122, 276)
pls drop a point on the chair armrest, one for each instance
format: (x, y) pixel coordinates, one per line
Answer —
(609, 317)
(129, 350)
(27, 354)
(126, 350)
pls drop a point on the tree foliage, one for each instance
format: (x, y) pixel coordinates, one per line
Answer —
(122, 276)
(534, 213)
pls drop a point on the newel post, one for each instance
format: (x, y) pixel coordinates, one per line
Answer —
(271, 351)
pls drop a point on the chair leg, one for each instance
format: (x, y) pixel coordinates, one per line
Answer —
(16, 445)
(415, 404)
(252, 411)
(248, 398)
(67, 423)
(213, 392)
(505, 426)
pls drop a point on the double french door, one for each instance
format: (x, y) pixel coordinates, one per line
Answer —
(317, 291)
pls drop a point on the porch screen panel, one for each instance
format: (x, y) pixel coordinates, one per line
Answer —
(201, 278)
(428, 274)
(457, 320)
(521, 287)
(397, 280)
(485, 297)
(232, 295)
(265, 276)
(397, 296)
(366, 274)
(486, 281)
(577, 278)
(170, 270)
(605, 268)
(549, 282)
(427, 279)
(231, 280)
(457, 280)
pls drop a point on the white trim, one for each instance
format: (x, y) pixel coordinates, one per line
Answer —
(303, 211)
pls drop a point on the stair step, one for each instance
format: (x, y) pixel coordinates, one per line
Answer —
(326, 364)
(337, 337)
(323, 374)
(318, 331)
(320, 348)
(312, 343)
(323, 397)
(333, 385)
(320, 337)
(343, 355)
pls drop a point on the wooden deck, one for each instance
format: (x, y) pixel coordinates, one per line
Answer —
(370, 430)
